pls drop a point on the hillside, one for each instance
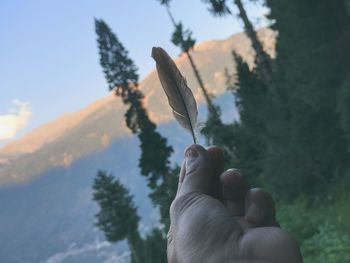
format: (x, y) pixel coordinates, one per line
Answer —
(49, 217)
(74, 135)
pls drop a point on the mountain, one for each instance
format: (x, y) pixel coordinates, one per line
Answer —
(61, 142)
(46, 177)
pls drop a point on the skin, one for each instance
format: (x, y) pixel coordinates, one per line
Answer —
(215, 217)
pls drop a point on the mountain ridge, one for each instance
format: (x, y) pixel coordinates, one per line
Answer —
(60, 142)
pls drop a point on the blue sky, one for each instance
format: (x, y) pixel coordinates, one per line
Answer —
(49, 61)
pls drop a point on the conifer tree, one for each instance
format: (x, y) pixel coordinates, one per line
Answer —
(262, 59)
(304, 123)
(215, 131)
(117, 217)
(248, 135)
(121, 75)
(312, 66)
(182, 38)
(229, 136)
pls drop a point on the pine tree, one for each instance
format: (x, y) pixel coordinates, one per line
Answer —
(311, 65)
(121, 75)
(183, 39)
(262, 59)
(117, 217)
(250, 132)
(235, 138)
(304, 121)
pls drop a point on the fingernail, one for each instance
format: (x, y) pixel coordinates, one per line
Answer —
(191, 158)
(191, 153)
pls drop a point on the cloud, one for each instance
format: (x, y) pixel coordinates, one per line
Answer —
(15, 120)
(114, 258)
(74, 251)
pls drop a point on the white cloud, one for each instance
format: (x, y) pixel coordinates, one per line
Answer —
(74, 251)
(115, 258)
(15, 120)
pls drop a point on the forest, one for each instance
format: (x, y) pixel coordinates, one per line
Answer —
(292, 137)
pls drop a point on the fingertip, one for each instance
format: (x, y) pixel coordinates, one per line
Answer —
(198, 172)
(217, 151)
(234, 184)
(218, 159)
(196, 157)
(260, 208)
(196, 148)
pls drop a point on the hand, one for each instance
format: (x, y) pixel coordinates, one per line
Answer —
(215, 218)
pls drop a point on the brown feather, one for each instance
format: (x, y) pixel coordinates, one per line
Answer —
(180, 96)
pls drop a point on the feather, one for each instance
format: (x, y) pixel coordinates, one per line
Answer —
(180, 96)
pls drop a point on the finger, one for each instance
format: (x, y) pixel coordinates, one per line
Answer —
(199, 220)
(218, 161)
(234, 190)
(260, 208)
(198, 171)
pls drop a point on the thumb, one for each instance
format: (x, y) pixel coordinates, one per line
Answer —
(197, 172)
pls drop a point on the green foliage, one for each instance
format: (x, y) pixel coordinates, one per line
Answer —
(165, 193)
(164, 2)
(218, 7)
(118, 220)
(293, 137)
(321, 230)
(120, 72)
(118, 217)
(154, 162)
(298, 218)
(119, 69)
(347, 3)
(310, 69)
(153, 247)
(243, 140)
(183, 38)
(250, 95)
(329, 245)
(343, 108)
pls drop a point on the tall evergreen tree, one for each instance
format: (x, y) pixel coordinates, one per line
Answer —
(215, 131)
(312, 66)
(304, 123)
(117, 217)
(249, 134)
(230, 136)
(262, 59)
(182, 38)
(121, 75)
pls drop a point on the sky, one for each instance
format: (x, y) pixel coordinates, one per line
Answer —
(49, 62)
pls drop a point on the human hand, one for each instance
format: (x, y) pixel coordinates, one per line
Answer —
(215, 217)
